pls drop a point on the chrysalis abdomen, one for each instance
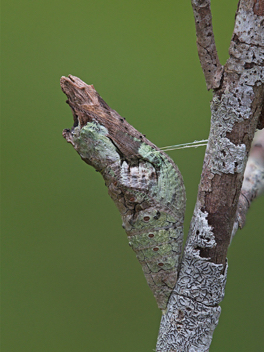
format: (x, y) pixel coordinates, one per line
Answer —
(151, 199)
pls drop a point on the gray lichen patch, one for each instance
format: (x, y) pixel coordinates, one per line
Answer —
(245, 29)
(227, 157)
(200, 235)
(223, 155)
(251, 55)
(187, 325)
(202, 281)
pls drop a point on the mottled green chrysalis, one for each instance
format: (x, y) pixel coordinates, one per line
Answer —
(143, 181)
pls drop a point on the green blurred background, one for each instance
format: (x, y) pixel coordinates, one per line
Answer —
(70, 282)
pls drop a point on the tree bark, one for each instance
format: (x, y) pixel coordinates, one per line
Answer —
(193, 308)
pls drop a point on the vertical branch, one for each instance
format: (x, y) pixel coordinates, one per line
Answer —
(193, 309)
(206, 47)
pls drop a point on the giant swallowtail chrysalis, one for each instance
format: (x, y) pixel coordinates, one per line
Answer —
(143, 181)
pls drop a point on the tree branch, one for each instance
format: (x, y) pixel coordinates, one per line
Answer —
(253, 184)
(206, 47)
(260, 124)
(193, 308)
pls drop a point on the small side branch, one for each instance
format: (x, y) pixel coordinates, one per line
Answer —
(253, 184)
(260, 124)
(207, 52)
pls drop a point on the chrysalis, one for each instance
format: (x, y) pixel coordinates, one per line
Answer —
(143, 181)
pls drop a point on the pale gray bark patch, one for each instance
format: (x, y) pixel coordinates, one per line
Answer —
(200, 279)
(246, 24)
(193, 310)
(229, 158)
(187, 326)
(200, 235)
